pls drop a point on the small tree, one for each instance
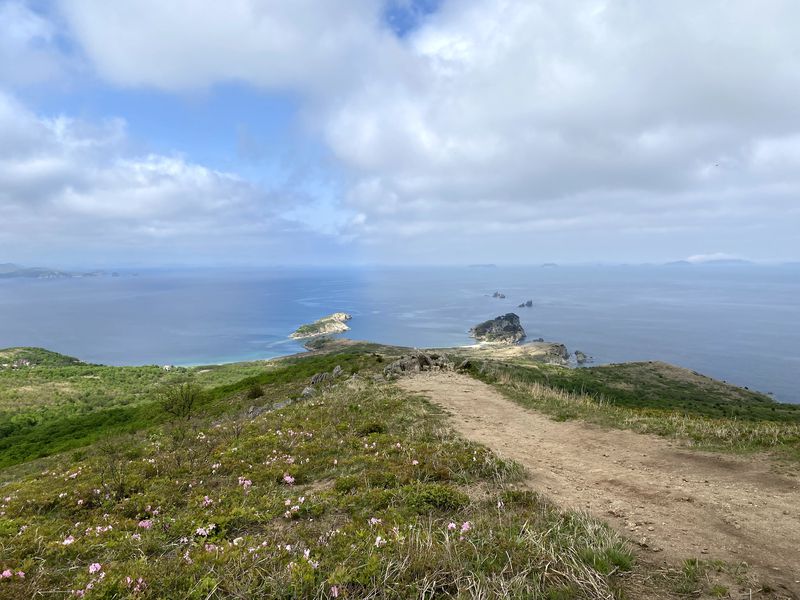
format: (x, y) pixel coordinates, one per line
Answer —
(113, 470)
(179, 400)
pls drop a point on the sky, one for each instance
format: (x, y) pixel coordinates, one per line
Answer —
(330, 132)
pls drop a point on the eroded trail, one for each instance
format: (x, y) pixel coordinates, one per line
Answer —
(677, 502)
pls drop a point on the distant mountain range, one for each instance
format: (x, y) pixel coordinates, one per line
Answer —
(718, 261)
(12, 271)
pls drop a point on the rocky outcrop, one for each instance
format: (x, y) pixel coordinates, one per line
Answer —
(498, 295)
(526, 304)
(320, 378)
(335, 323)
(417, 362)
(255, 411)
(582, 358)
(505, 328)
(558, 354)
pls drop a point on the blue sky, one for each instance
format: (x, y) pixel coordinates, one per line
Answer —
(266, 132)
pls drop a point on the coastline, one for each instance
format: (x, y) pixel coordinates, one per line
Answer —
(193, 320)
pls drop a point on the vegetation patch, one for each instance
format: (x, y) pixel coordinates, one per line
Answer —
(50, 409)
(297, 502)
(550, 389)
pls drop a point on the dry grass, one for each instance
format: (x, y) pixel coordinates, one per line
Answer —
(731, 434)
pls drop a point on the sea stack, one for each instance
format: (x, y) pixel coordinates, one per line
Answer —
(505, 329)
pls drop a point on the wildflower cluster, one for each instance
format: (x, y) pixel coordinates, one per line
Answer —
(9, 573)
(293, 509)
(246, 484)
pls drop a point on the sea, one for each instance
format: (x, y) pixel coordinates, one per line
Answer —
(738, 323)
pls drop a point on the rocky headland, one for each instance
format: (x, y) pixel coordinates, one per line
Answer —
(335, 323)
(504, 329)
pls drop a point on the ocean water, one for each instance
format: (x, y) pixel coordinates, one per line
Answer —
(738, 323)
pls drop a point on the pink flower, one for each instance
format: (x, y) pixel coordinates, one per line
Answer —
(21, 574)
(288, 479)
(334, 591)
(466, 526)
(373, 521)
(415, 462)
(6, 573)
(379, 542)
(246, 484)
(145, 524)
(68, 540)
(207, 501)
(95, 568)
(451, 526)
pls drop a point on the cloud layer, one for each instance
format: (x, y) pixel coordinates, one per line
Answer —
(545, 117)
(77, 186)
(496, 130)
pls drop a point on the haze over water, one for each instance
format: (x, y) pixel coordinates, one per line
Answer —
(736, 323)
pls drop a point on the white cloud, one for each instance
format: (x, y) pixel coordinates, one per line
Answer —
(532, 116)
(180, 45)
(67, 182)
(583, 123)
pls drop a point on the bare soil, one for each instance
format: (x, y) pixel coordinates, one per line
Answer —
(673, 501)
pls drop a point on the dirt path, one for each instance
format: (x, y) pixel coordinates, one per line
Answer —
(676, 502)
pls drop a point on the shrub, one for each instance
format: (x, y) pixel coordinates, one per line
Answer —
(371, 427)
(180, 400)
(255, 392)
(346, 484)
(426, 497)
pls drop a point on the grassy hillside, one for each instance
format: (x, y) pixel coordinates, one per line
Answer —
(358, 491)
(654, 398)
(59, 403)
(48, 409)
(36, 357)
(664, 386)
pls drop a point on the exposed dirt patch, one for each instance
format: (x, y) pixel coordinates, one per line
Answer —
(547, 352)
(674, 502)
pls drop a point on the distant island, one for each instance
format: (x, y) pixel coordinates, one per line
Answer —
(711, 262)
(13, 271)
(335, 323)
